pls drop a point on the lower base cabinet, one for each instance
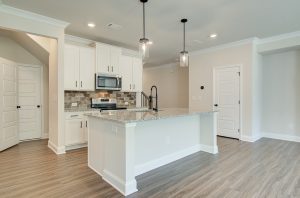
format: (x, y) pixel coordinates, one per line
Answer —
(76, 130)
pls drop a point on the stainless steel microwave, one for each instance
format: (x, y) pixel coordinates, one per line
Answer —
(108, 82)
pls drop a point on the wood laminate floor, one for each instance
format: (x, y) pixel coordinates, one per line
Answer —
(267, 168)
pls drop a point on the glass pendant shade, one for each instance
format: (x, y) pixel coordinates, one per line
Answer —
(184, 59)
(144, 48)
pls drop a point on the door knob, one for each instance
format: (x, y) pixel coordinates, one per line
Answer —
(216, 105)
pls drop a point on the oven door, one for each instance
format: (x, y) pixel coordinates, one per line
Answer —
(108, 82)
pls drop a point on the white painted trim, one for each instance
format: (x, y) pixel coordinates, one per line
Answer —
(32, 16)
(55, 149)
(45, 135)
(279, 37)
(225, 46)
(71, 38)
(143, 168)
(209, 149)
(246, 138)
(281, 136)
(117, 183)
(76, 146)
(241, 90)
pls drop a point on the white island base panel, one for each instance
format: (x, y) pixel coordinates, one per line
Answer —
(120, 151)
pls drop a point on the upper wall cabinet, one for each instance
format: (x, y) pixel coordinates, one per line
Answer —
(108, 58)
(131, 70)
(79, 68)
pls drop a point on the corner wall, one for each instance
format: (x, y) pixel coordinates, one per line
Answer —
(281, 96)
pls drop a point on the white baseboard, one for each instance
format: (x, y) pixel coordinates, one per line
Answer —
(209, 149)
(281, 137)
(45, 136)
(58, 150)
(76, 146)
(246, 138)
(148, 166)
(117, 183)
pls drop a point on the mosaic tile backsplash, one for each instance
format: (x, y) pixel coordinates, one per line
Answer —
(83, 99)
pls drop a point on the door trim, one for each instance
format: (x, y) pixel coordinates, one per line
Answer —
(43, 135)
(240, 94)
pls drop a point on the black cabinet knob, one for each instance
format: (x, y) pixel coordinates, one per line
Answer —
(216, 105)
(18, 107)
(38, 106)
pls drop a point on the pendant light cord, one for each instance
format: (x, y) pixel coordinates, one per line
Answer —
(144, 26)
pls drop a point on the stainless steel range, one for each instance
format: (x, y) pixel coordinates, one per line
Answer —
(105, 104)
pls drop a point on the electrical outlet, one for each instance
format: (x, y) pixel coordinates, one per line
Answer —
(74, 104)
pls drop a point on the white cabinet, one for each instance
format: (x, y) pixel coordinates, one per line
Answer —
(79, 68)
(76, 129)
(108, 58)
(131, 70)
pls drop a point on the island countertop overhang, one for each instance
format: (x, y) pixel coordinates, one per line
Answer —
(135, 116)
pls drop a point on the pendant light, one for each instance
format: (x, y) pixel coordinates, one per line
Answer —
(184, 55)
(144, 42)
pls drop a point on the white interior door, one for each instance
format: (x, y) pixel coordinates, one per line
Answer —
(29, 94)
(227, 101)
(8, 103)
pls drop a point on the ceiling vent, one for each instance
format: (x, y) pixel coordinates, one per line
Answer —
(114, 26)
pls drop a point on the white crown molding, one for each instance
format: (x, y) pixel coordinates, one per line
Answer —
(76, 39)
(32, 16)
(224, 46)
(279, 37)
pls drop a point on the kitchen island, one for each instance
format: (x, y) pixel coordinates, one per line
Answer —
(124, 144)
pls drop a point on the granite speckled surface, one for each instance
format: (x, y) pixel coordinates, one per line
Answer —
(132, 116)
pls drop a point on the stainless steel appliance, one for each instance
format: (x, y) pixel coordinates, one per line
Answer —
(108, 82)
(105, 104)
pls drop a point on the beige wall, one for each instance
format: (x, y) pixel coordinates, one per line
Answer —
(201, 74)
(11, 50)
(281, 94)
(172, 83)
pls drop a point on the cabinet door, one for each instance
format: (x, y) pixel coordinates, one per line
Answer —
(74, 130)
(137, 74)
(115, 54)
(71, 67)
(126, 73)
(103, 58)
(87, 69)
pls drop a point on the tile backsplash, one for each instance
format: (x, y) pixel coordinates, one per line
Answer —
(83, 98)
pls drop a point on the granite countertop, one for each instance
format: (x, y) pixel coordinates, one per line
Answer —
(131, 116)
(80, 109)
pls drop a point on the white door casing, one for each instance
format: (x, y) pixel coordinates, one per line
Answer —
(8, 105)
(29, 94)
(227, 100)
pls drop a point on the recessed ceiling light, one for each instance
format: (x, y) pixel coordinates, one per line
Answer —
(213, 36)
(91, 25)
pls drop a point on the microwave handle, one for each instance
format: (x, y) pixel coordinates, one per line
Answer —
(119, 83)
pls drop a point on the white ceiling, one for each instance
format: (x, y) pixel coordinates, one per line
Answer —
(233, 20)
